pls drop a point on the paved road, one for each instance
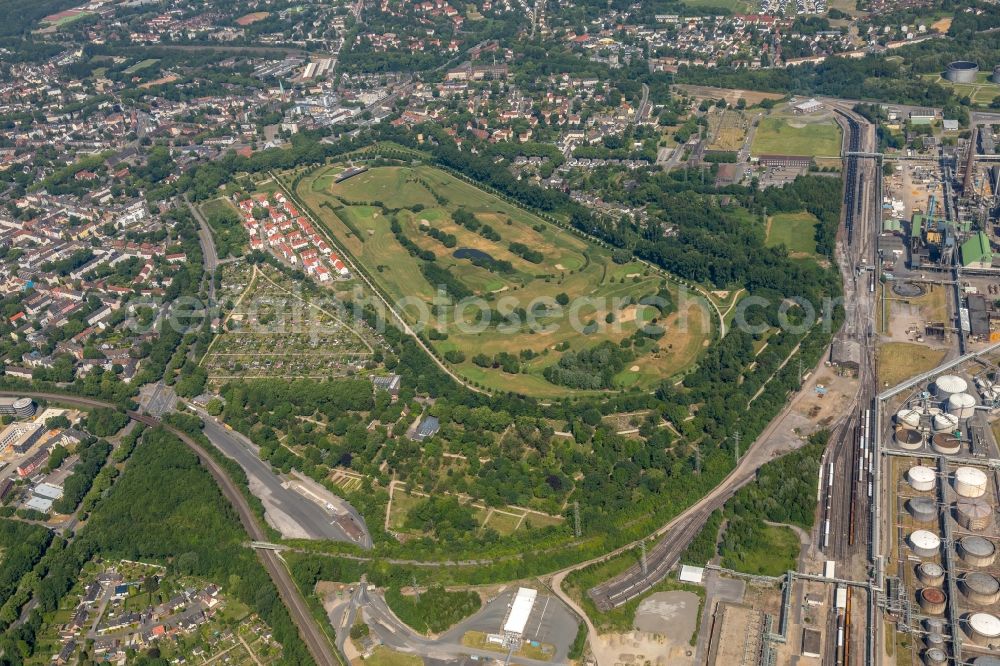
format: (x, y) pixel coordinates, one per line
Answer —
(548, 623)
(315, 639)
(210, 257)
(291, 513)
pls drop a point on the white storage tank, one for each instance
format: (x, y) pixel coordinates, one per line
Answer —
(921, 478)
(984, 629)
(925, 543)
(962, 405)
(948, 385)
(970, 482)
(945, 422)
(908, 417)
(977, 551)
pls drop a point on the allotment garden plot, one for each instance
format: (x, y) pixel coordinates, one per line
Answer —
(275, 328)
(543, 307)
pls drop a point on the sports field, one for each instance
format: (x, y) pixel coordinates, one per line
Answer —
(141, 65)
(796, 231)
(811, 135)
(545, 291)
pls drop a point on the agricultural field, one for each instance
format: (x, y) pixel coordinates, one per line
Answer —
(522, 292)
(274, 329)
(784, 133)
(796, 231)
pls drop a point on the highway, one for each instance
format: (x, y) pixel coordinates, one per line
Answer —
(319, 647)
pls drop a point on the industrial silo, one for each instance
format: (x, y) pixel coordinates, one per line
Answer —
(921, 478)
(970, 482)
(924, 543)
(980, 588)
(974, 514)
(962, 71)
(946, 444)
(930, 574)
(946, 386)
(932, 600)
(961, 405)
(945, 422)
(983, 628)
(977, 551)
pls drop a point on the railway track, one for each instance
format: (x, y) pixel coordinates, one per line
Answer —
(309, 630)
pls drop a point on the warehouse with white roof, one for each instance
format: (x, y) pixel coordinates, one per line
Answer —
(517, 615)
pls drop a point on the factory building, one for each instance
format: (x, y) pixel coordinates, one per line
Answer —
(517, 616)
(976, 252)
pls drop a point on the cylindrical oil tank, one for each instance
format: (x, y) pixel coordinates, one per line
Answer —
(973, 514)
(934, 641)
(962, 71)
(977, 551)
(934, 625)
(924, 543)
(908, 417)
(961, 405)
(931, 574)
(945, 422)
(996, 79)
(934, 656)
(932, 600)
(986, 660)
(923, 509)
(980, 588)
(970, 482)
(908, 438)
(947, 385)
(946, 443)
(921, 478)
(983, 628)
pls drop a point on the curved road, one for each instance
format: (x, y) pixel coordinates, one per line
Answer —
(315, 639)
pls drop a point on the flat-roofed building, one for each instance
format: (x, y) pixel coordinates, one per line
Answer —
(518, 614)
(22, 408)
